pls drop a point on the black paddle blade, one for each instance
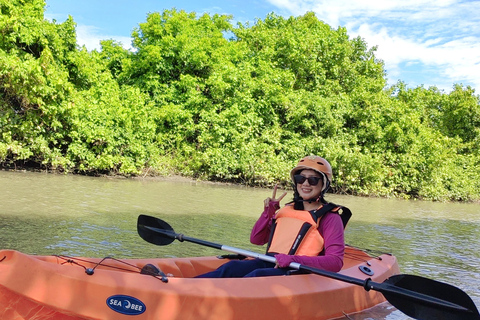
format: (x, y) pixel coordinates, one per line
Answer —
(425, 310)
(154, 230)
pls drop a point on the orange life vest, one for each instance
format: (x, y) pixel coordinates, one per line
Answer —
(296, 231)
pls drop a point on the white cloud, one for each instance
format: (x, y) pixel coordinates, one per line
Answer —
(90, 37)
(437, 36)
(455, 60)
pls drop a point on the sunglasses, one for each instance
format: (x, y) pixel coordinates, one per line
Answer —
(299, 179)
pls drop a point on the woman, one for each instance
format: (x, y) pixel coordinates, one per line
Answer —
(307, 230)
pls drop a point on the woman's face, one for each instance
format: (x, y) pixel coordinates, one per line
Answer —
(305, 189)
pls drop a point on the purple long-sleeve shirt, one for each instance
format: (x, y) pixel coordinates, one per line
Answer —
(331, 228)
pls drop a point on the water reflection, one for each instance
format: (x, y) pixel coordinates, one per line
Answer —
(96, 217)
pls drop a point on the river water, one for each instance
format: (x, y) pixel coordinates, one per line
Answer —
(73, 215)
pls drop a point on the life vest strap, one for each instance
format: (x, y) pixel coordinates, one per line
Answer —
(301, 234)
(344, 212)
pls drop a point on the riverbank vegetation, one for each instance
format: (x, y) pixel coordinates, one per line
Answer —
(203, 98)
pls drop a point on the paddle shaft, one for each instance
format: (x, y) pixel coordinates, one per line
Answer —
(368, 284)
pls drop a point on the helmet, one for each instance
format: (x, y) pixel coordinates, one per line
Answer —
(318, 164)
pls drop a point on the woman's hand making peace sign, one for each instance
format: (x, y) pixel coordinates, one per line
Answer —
(267, 201)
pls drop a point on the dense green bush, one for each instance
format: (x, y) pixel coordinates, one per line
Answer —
(200, 97)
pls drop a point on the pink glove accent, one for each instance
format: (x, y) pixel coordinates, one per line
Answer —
(283, 260)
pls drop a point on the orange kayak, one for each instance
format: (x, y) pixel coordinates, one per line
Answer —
(59, 287)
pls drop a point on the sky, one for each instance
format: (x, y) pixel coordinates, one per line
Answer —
(422, 42)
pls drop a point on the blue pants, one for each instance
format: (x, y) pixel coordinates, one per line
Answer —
(245, 268)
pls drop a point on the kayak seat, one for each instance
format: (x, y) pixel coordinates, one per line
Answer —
(179, 269)
(187, 268)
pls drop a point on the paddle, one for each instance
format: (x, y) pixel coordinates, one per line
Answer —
(417, 297)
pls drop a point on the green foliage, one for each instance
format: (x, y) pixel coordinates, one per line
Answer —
(60, 107)
(200, 97)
